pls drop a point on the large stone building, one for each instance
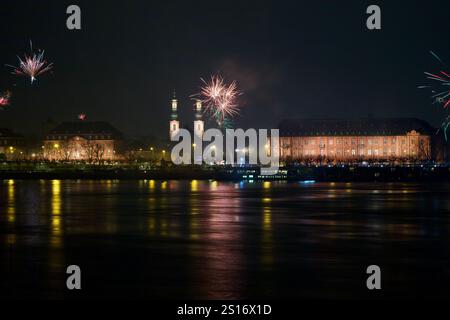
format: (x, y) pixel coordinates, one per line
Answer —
(355, 140)
(82, 140)
(11, 144)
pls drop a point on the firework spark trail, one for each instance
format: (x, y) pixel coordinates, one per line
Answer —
(445, 126)
(219, 98)
(32, 65)
(4, 98)
(436, 57)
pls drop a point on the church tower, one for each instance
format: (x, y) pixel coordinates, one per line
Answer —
(174, 124)
(199, 128)
(199, 125)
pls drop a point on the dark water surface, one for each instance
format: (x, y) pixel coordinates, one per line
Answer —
(208, 239)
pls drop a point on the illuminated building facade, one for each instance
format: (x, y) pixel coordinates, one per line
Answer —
(11, 144)
(82, 140)
(355, 140)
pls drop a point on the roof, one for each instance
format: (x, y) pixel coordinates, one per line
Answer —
(8, 133)
(353, 127)
(86, 128)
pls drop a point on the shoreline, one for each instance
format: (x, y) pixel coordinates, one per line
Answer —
(305, 174)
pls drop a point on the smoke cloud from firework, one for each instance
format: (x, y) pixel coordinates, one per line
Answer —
(32, 65)
(219, 98)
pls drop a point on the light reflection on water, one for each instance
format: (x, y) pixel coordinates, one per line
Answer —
(210, 239)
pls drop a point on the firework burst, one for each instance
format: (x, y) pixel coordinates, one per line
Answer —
(4, 98)
(440, 91)
(32, 65)
(219, 98)
(440, 84)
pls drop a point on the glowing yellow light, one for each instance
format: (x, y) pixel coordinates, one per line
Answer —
(214, 185)
(11, 211)
(267, 219)
(56, 197)
(194, 185)
(56, 146)
(56, 219)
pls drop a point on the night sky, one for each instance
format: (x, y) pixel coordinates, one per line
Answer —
(292, 59)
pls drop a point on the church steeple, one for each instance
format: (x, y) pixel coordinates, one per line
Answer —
(199, 125)
(174, 124)
(174, 115)
(198, 110)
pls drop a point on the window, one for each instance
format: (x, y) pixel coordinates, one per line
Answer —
(369, 152)
(330, 142)
(353, 152)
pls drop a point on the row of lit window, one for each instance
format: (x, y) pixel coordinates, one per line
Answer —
(353, 152)
(348, 141)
